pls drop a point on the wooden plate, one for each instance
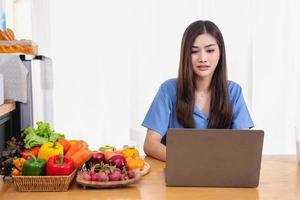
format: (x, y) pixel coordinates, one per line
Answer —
(146, 169)
(112, 184)
(108, 184)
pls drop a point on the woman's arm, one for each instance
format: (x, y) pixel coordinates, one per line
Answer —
(153, 147)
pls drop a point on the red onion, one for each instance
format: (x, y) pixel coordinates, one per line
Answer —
(118, 161)
(97, 157)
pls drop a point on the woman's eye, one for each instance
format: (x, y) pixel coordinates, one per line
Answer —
(194, 51)
(210, 50)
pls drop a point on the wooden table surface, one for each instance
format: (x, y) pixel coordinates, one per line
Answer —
(280, 179)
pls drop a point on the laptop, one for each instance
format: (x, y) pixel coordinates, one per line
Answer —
(213, 157)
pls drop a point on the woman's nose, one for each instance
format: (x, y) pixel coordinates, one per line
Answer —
(202, 58)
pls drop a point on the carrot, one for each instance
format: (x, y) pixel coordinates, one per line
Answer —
(73, 142)
(66, 144)
(79, 153)
(80, 157)
(76, 147)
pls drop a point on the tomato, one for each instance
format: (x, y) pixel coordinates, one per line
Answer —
(134, 163)
(34, 150)
(16, 172)
(19, 162)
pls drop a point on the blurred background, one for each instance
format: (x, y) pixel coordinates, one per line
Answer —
(110, 57)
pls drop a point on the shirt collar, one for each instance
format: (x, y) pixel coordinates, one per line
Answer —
(198, 112)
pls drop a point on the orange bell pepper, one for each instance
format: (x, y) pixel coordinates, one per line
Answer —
(135, 163)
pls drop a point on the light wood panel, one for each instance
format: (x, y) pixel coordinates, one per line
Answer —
(7, 107)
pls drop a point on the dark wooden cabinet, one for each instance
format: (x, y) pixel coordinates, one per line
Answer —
(9, 122)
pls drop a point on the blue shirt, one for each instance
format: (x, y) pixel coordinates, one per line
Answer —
(162, 113)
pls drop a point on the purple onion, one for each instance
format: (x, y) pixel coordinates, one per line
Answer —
(97, 157)
(118, 161)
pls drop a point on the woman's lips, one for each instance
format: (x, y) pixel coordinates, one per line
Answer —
(203, 67)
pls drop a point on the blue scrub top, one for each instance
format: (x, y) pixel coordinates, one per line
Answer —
(162, 113)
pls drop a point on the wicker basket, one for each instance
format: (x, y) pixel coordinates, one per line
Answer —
(43, 183)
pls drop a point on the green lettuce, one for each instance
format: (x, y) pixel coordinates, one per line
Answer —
(42, 134)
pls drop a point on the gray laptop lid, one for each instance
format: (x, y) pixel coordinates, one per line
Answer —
(213, 157)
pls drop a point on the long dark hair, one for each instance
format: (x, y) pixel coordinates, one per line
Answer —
(220, 107)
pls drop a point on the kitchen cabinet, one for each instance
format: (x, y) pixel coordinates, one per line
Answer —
(9, 122)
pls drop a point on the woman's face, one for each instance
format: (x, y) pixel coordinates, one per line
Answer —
(205, 55)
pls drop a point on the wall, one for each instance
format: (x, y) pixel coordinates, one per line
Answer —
(110, 58)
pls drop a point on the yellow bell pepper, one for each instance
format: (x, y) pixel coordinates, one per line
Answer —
(50, 149)
(130, 152)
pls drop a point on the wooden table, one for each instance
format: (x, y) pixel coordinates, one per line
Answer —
(280, 179)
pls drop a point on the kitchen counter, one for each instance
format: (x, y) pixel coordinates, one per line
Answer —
(280, 179)
(7, 107)
(8, 122)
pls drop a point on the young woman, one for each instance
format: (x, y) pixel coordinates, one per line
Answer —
(201, 96)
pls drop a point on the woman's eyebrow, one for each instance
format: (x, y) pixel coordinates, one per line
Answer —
(209, 45)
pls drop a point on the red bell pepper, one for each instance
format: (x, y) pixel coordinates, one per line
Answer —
(59, 165)
(33, 150)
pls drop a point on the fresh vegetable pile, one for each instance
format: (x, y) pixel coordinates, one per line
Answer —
(50, 159)
(41, 151)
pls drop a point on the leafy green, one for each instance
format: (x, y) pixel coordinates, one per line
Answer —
(55, 137)
(44, 129)
(32, 140)
(42, 134)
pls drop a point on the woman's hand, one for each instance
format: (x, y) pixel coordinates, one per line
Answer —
(153, 147)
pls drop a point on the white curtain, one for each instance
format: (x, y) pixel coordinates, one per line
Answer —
(110, 58)
(276, 80)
